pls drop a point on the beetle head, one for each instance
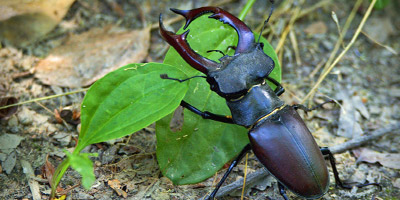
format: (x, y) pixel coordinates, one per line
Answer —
(234, 75)
(245, 36)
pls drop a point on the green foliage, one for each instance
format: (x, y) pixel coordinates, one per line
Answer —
(202, 147)
(84, 166)
(380, 4)
(127, 100)
(121, 103)
(134, 96)
(58, 174)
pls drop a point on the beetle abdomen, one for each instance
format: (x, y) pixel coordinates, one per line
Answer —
(285, 146)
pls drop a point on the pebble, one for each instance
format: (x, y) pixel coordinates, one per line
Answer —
(26, 116)
(13, 121)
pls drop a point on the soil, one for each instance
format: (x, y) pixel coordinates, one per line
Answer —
(367, 78)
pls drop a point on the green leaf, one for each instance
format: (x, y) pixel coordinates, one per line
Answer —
(127, 100)
(58, 174)
(202, 147)
(122, 102)
(84, 166)
(380, 4)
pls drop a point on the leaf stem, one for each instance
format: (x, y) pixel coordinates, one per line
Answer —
(246, 9)
(44, 98)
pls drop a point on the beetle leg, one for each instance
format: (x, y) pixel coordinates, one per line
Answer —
(182, 47)
(233, 164)
(282, 191)
(245, 35)
(326, 151)
(279, 90)
(303, 107)
(207, 115)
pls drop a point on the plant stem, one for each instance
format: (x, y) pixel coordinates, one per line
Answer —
(44, 98)
(246, 9)
(328, 70)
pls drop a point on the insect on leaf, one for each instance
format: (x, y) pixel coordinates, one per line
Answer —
(202, 147)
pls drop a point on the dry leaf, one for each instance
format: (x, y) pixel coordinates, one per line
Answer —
(316, 28)
(48, 170)
(6, 112)
(23, 22)
(116, 186)
(391, 160)
(349, 125)
(86, 57)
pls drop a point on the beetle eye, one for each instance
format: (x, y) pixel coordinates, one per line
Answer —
(260, 45)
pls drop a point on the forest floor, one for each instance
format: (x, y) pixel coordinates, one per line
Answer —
(365, 83)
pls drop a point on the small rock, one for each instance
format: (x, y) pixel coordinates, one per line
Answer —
(3, 156)
(63, 138)
(26, 116)
(51, 128)
(13, 121)
(316, 28)
(379, 29)
(82, 195)
(9, 163)
(396, 183)
(9, 141)
(109, 155)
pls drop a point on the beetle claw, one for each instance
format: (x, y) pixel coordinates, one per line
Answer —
(246, 36)
(180, 44)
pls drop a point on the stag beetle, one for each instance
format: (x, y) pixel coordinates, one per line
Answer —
(278, 136)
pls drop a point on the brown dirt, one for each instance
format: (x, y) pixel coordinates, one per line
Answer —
(368, 71)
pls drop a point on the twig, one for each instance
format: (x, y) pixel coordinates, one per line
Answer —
(44, 98)
(338, 42)
(260, 174)
(380, 44)
(287, 29)
(306, 11)
(293, 39)
(33, 185)
(244, 178)
(65, 191)
(342, 33)
(283, 9)
(357, 142)
(355, 36)
(250, 180)
(335, 19)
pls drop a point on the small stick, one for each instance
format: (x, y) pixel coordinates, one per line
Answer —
(293, 40)
(33, 184)
(45, 98)
(250, 180)
(357, 142)
(337, 149)
(339, 57)
(245, 175)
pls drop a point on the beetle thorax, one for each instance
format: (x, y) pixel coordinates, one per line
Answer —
(238, 73)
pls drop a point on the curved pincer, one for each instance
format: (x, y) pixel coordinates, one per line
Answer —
(246, 36)
(180, 44)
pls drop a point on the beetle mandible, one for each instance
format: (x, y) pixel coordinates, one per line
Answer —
(278, 136)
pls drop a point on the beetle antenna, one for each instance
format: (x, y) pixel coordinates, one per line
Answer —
(165, 76)
(266, 21)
